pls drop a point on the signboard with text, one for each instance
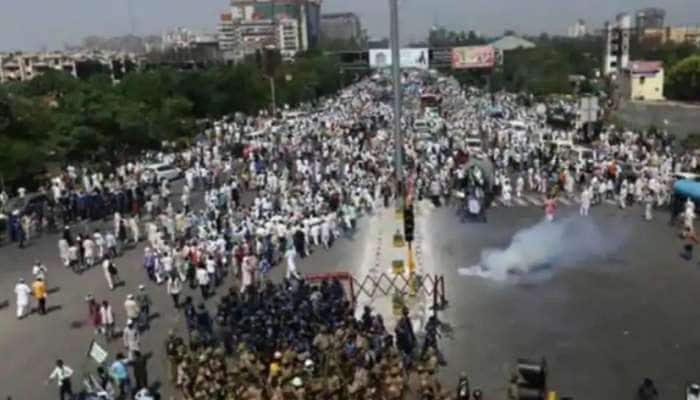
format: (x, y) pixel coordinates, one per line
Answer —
(473, 57)
(410, 58)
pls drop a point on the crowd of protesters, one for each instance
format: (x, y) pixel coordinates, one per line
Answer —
(278, 189)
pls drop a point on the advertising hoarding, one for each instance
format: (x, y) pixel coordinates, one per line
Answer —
(473, 57)
(410, 58)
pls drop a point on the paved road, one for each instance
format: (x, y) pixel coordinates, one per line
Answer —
(602, 326)
(31, 346)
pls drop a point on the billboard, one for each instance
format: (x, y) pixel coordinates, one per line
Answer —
(410, 58)
(473, 57)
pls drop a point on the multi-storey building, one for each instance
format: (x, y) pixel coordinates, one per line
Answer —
(341, 26)
(287, 37)
(289, 25)
(617, 44)
(25, 66)
(649, 18)
(680, 34)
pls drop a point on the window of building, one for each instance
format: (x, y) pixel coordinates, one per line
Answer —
(642, 80)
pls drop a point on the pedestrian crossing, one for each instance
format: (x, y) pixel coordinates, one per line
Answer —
(537, 200)
(530, 200)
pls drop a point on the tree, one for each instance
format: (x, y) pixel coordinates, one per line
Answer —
(683, 82)
(56, 117)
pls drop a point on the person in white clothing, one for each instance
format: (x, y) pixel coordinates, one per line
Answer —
(174, 288)
(62, 374)
(117, 223)
(623, 195)
(648, 206)
(89, 252)
(39, 270)
(519, 186)
(63, 251)
(107, 320)
(507, 194)
(586, 198)
(248, 276)
(134, 227)
(111, 273)
(689, 205)
(203, 281)
(99, 244)
(23, 293)
(291, 264)
(688, 218)
(131, 307)
(132, 338)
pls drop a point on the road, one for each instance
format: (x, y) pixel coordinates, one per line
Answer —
(32, 345)
(602, 326)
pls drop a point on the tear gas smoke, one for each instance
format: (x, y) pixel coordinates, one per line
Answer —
(547, 246)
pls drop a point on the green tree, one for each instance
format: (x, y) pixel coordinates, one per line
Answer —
(683, 80)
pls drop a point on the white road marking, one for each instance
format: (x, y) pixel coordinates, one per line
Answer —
(534, 200)
(565, 201)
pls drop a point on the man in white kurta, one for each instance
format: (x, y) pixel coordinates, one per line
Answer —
(23, 293)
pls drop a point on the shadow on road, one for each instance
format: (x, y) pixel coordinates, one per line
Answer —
(153, 316)
(53, 308)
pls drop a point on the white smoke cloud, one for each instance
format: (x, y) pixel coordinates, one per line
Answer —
(539, 250)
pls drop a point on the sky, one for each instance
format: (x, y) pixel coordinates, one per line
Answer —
(50, 24)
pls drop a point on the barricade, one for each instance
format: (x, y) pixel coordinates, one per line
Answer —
(427, 285)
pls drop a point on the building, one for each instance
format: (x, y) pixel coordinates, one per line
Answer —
(287, 38)
(643, 80)
(617, 44)
(183, 38)
(344, 27)
(178, 38)
(257, 34)
(649, 18)
(267, 23)
(578, 30)
(681, 34)
(508, 43)
(229, 39)
(26, 66)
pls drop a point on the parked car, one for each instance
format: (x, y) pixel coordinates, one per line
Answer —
(163, 171)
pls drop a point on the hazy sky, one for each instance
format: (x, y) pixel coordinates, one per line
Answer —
(33, 24)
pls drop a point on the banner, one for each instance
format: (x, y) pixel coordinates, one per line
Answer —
(473, 57)
(97, 352)
(410, 58)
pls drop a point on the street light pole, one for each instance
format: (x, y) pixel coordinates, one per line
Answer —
(396, 75)
(398, 135)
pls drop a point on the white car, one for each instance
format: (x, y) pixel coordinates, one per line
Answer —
(163, 171)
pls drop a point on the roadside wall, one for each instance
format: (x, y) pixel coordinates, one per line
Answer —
(682, 118)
